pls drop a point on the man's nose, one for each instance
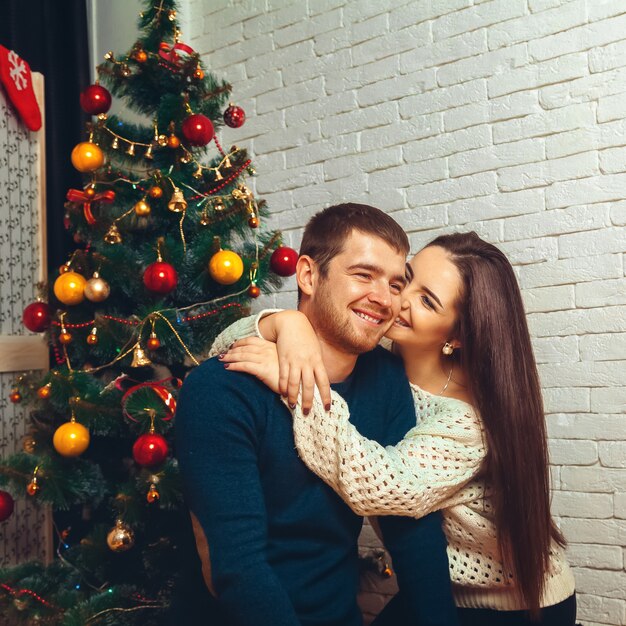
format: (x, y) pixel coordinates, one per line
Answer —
(381, 294)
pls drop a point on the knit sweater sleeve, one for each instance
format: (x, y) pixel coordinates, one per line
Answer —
(420, 474)
(245, 327)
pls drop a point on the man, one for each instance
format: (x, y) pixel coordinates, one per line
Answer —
(278, 546)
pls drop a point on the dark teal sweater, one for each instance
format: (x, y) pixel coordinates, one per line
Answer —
(283, 545)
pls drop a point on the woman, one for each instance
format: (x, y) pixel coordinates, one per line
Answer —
(478, 451)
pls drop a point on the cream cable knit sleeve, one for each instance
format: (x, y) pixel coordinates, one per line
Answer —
(245, 327)
(422, 473)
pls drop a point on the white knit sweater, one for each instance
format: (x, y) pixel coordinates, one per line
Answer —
(437, 466)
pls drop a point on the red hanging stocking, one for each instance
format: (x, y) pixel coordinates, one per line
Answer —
(18, 82)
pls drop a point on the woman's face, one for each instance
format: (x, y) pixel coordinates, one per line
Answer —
(428, 314)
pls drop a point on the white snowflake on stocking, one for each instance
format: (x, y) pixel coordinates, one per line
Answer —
(18, 71)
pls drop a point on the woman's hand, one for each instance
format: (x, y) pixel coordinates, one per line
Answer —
(299, 358)
(254, 356)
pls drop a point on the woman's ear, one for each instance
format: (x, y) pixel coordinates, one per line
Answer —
(306, 271)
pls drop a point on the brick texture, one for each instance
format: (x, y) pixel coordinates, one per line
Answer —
(502, 116)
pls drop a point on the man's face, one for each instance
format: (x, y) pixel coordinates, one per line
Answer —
(355, 304)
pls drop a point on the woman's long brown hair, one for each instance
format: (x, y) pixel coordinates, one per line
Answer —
(497, 355)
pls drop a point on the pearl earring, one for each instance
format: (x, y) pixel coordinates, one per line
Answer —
(447, 349)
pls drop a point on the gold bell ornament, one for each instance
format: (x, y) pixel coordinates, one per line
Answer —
(142, 208)
(113, 235)
(177, 202)
(140, 359)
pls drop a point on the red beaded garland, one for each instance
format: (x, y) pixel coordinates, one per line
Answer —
(150, 450)
(234, 116)
(283, 261)
(95, 100)
(36, 317)
(197, 129)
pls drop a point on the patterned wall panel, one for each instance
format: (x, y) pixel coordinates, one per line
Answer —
(26, 534)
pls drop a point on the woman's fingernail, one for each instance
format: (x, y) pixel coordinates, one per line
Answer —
(292, 406)
(221, 355)
(327, 407)
(226, 365)
(306, 411)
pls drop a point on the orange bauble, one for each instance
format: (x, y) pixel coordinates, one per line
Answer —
(69, 288)
(87, 157)
(71, 439)
(226, 267)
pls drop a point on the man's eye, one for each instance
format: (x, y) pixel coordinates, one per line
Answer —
(396, 288)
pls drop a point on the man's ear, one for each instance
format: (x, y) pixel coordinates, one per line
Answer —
(306, 274)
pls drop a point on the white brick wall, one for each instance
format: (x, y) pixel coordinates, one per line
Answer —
(503, 116)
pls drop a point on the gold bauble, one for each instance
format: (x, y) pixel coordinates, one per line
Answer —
(155, 191)
(44, 392)
(152, 495)
(173, 141)
(121, 537)
(29, 444)
(226, 267)
(87, 157)
(69, 288)
(32, 489)
(71, 439)
(142, 208)
(97, 289)
(65, 337)
(92, 337)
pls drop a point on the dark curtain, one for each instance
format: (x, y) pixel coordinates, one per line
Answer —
(51, 35)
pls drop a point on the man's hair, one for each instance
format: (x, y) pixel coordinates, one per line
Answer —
(327, 231)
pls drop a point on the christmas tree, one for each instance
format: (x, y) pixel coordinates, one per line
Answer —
(169, 251)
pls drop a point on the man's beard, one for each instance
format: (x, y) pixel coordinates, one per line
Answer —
(338, 330)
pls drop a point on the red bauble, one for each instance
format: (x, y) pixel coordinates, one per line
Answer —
(95, 100)
(283, 261)
(234, 116)
(6, 505)
(36, 317)
(198, 130)
(254, 291)
(160, 277)
(150, 450)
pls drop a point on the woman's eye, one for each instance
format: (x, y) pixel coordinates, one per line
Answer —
(427, 302)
